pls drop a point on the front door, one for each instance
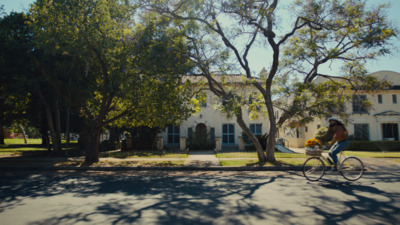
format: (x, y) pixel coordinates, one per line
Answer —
(201, 136)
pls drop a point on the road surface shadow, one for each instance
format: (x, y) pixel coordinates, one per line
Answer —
(198, 199)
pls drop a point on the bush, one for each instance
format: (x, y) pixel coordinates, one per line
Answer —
(249, 145)
(108, 145)
(374, 146)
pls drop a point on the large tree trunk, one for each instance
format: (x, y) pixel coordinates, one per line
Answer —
(1, 131)
(1, 124)
(253, 138)
(56, 147)
(45, 136)
(270, 148)
(58, 151)
(154, 141)
(92, 143)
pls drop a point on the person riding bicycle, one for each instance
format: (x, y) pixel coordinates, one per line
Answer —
(339, 141)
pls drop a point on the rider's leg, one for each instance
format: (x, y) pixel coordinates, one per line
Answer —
(336, 148)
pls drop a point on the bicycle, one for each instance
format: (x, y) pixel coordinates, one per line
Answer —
(351, 168)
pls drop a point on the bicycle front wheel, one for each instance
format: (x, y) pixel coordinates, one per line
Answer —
(313, 168)
(352, 168)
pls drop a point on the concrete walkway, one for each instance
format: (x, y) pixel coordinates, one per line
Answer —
(201, 158)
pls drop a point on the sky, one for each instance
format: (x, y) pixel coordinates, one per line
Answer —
(390, 62)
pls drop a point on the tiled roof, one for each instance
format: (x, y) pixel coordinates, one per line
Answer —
(229, 79)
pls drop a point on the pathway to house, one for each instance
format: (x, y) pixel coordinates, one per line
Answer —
(201, 158)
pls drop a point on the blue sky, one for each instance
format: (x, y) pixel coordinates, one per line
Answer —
(391, 62)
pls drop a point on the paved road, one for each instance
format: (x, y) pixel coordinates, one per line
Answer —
(196, 198)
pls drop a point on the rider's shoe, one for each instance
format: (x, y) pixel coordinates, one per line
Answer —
(334, 169)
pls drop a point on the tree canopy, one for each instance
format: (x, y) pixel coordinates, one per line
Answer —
(298, 36)
(131, 63)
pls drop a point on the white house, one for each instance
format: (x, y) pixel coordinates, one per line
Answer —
(380, 123)
(210, 126)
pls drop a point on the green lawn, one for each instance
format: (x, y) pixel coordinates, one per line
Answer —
(295, 159)
(125, 155)
(123, 163)
(251, 162)
(254, 155)
(18, 147)
(21, 141)
(373, 154)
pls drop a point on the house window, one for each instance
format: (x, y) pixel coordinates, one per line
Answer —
(228, 134)
(394, 99)
(256, 129)
(359, 104)
(173, 135)
(306, 129)
(380, 101)
(361, 132)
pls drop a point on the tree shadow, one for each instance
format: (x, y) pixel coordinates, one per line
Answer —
(145, 199)
(371, 204)
(196, 198)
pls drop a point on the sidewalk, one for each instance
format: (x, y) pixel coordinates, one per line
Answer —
(202, 158)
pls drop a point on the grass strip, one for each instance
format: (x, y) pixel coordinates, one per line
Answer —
(254, 155)
(254, 163)
(122, 163)
(127, 155)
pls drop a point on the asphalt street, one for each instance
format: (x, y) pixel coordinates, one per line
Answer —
(196, 197)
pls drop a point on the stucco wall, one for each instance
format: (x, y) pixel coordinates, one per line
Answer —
(374, 117)
(213, 118)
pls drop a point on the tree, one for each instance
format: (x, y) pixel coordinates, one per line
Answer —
(164, 58)
(314, 33)
(117, 81)
(15, 44)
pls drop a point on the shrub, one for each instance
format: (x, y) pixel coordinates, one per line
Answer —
(249, 145)
(108, 145)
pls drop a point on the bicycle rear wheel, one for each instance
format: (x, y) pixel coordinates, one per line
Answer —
(313, 169)
(352, 168)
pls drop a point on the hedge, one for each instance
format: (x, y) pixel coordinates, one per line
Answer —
(374, 146)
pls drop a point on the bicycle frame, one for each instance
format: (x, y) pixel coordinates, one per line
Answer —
(316, 169)
(325, 159)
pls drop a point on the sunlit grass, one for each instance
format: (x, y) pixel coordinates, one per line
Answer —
(373, 154)
(21, 141)
(254, 155)
(251, 162)
(123, 163)
(18, 146)
(132, 154)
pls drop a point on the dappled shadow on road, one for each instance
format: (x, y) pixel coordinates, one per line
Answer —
(362, 198)
(198, 198)
(138, 199)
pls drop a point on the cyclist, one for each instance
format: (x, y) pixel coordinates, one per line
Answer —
(339, 141)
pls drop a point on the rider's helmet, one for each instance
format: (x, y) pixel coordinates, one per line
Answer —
(335, 119)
